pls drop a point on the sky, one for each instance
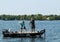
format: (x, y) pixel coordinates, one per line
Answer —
(28, 7)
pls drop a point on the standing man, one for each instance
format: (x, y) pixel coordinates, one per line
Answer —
(23, 26)
(32, 23)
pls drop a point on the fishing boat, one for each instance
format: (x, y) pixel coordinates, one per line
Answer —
(7, 33)
(32, 33)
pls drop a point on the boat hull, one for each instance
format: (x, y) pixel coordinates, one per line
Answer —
(9, 34)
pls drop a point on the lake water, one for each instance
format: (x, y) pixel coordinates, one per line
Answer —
(52, 31)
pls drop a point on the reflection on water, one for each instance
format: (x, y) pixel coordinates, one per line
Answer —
(32, 39)
(23, 40)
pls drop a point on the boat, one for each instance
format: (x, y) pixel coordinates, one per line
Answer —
(7, 33)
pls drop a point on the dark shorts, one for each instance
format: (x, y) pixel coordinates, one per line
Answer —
(33, 26)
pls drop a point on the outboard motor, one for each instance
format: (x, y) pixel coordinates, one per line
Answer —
(42, 31)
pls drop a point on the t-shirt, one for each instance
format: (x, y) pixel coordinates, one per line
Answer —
(22, 25)
(32, 22)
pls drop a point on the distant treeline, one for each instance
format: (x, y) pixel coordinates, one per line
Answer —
(28, 17)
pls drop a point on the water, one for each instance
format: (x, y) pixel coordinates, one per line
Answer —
(52, 31)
